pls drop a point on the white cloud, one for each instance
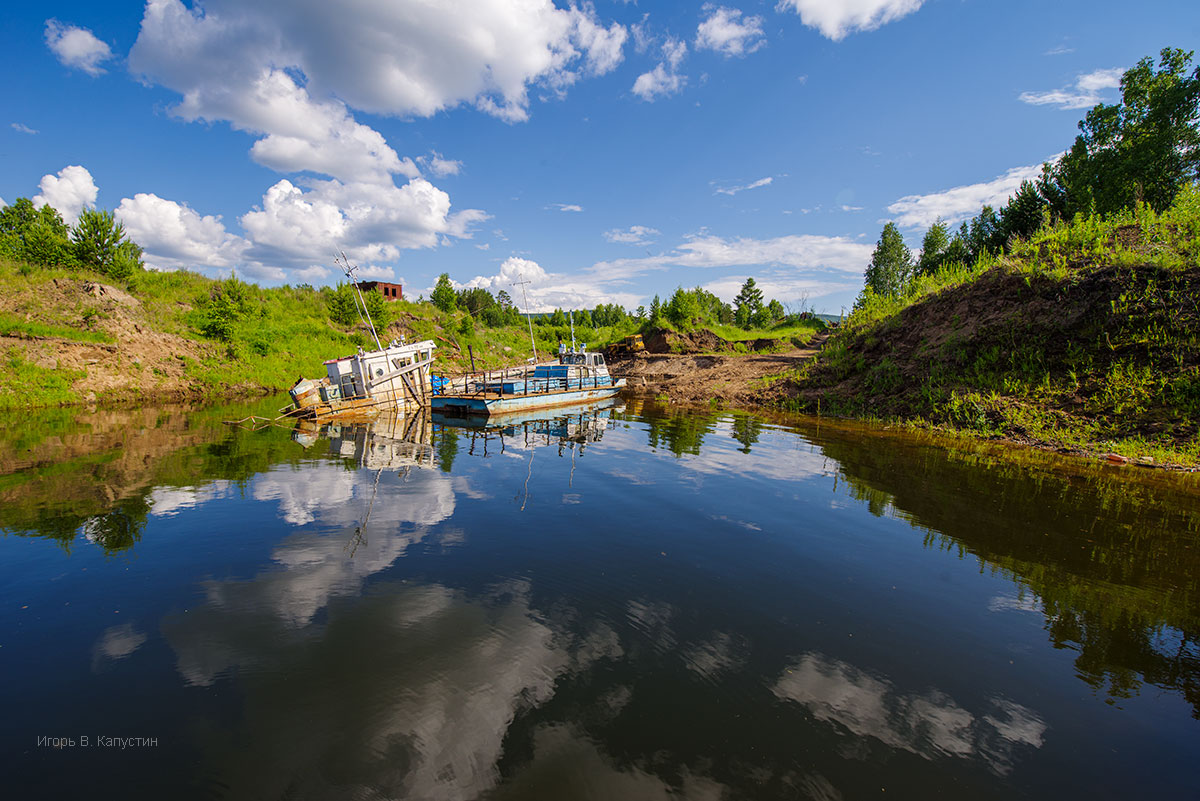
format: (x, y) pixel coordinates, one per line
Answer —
(635, 235)
(440, 166)
(575, 207)
(961, 202)
(22, 128)
(548, 291)
(836, 19)
(805, 251)
(786, 285)
(1059, 50)
(291, 75)
(1084, 94)
(175, 236)
(77, 47)
(401, 58)
(371, 222)
(733, 190)
(68, 192)
(725, 31)
(664, 79)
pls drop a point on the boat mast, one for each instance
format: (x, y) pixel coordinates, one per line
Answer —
(349, 271)
(571, 317)
(527, 317)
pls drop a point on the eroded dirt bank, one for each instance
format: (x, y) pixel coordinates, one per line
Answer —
(728, 378)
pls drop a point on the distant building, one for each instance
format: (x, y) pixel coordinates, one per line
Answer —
(389, 291)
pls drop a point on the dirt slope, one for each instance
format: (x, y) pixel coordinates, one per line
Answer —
(730, 379)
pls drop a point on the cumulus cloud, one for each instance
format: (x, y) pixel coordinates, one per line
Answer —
(837, 19)
(733, 190)
(175, 236)
(961, 202)
(664, 79)
(634, 235)
(371, 222)
(402, 58)
(69, 192)
(548, 291)
(806, 251)
(77, 47)
(1085, 93)
(292, 76)
(727, 32)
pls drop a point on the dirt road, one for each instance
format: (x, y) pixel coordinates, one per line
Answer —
(732, 379)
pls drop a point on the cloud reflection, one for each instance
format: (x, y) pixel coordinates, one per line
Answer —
(930, 725)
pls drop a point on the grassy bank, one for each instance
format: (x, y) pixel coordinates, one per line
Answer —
(70, 336)
(1086, 337)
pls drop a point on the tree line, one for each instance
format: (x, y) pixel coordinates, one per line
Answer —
(40, 236)
(1144, 149)
(685, 309)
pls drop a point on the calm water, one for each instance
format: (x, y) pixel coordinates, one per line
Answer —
(640, 603)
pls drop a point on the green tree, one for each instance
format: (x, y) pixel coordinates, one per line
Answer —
(229, 302)
(683, 309)
(1145, 148)
(891, 264)
(504, 299)
(957, 251)
(984, 235)
(655, 310)
(933, 248)
(380, 310)
(443, 295)
(775, 311)
(98, 240)
(37, 236)
(1022, 216)
(748, 303)
(474, 300)
(558, 318)
(342, 305)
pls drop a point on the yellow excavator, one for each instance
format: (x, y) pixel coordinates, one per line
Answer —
(626, 346)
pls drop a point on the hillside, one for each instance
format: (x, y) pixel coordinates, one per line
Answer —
(1085, 338)
(70, 336)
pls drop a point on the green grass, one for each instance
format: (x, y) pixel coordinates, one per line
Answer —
(11, 326)
(1085, 337)
(24, 384)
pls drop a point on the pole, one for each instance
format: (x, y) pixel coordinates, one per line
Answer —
(349, 271)
(528, 319)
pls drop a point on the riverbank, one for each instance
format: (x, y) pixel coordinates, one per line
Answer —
(1086, 340)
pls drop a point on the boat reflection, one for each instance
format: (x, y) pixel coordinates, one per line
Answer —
(566, 427)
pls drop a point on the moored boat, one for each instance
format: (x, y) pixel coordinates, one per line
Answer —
(396, 376)
(578, 376)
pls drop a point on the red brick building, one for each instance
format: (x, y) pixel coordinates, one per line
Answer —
(389, 291)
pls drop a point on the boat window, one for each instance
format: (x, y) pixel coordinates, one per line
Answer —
(599, 359)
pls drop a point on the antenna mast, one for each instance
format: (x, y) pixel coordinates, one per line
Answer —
(349, 270)
(527, 317)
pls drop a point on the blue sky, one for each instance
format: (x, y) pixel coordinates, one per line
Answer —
(604, 151)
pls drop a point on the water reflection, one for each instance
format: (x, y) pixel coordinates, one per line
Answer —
(930, 724)
(408, 693)
(619, 602)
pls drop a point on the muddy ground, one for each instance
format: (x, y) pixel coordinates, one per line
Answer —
(727, 378)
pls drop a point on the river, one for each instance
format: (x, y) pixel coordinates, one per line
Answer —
(633, 602)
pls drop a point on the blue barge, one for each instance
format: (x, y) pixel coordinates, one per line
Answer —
(577, 377)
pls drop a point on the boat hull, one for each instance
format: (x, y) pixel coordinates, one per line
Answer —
(490, 404)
